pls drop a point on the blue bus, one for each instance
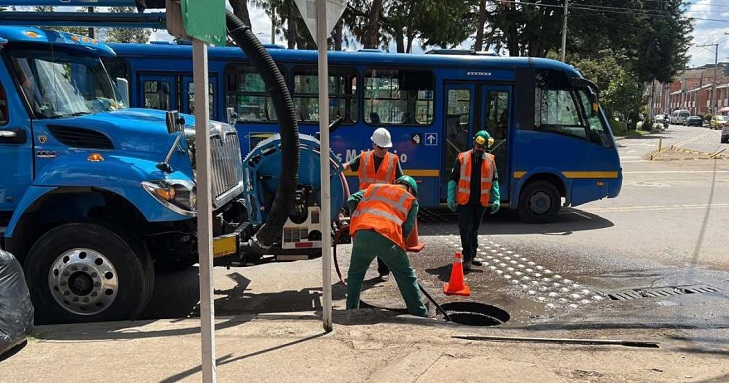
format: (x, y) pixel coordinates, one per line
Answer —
(553, 144)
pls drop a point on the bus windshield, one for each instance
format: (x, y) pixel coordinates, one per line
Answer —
(61, 84)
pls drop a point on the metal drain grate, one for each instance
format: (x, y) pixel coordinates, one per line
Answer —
(660, 292)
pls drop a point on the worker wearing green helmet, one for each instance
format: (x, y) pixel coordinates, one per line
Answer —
(474, 183)
(383, 216)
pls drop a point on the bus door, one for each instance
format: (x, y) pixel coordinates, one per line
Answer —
(470, 108)
(159, 92)
(187, 97)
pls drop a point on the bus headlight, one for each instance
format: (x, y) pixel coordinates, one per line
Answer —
(177, 195)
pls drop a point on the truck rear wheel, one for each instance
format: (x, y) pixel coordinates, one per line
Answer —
(85, 272)
(539, 202)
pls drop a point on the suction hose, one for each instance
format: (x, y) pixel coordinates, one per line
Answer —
(284, 106)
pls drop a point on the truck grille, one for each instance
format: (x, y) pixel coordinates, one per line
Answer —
(226, 167)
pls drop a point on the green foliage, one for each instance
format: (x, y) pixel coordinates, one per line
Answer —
(126, 35)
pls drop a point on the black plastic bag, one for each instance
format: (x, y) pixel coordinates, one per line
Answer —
(16, 310)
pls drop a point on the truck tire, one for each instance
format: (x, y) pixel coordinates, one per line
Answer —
(539, 202)
(86, 272)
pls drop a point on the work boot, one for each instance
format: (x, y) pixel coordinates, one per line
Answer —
(467, 266)
(477, 261)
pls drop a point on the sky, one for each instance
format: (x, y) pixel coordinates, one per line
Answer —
(711, 22)
(711, 26)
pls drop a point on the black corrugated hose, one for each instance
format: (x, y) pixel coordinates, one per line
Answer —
(284, 106)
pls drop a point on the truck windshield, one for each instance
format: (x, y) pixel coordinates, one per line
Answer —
(59, 84)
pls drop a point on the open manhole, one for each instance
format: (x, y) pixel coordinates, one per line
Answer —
(658, 292)
(475, 314)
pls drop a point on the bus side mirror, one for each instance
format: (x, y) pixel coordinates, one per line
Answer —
(595, 105)
(123, 85)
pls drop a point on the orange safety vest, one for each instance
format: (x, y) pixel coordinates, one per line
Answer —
(384, 208)
(384, 175)
(463, 192)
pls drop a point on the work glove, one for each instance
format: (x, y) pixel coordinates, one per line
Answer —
(495, 206)
(452, 205)
(495, 196)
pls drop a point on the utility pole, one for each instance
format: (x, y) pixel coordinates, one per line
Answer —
(564, 30)
(712, 106)
(92, 33)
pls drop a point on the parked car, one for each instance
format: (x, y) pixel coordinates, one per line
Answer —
(694, 121)
(718, 121)
(658, 118)
(725, 134)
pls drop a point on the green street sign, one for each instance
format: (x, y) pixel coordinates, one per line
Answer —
(205, 20)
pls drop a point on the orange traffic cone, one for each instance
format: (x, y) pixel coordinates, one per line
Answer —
(457, 284)
(411, 243)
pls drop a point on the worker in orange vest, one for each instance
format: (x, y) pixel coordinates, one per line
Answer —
(377, 166)
(383, 216)
(474, 183)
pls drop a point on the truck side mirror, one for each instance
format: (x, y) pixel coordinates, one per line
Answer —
(174, 122)
(231, 115)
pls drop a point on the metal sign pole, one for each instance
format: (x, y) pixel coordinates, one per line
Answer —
(204, 209)
(326, 204)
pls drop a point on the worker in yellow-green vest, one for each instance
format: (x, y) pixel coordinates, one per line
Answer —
(474, 183)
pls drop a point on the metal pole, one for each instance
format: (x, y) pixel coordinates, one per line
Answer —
(273, 25)
(92, 33)
(713, 87)
(326, 205)
(204, 209)
(564, 30)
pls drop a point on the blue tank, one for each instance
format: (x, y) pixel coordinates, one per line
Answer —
(261, 172)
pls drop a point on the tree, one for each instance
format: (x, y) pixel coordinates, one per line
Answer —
(126, 35)
(621, 94)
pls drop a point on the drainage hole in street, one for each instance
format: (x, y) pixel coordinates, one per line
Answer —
(475, 314)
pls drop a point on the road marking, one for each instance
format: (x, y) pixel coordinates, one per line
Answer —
(658, 208)
(675, 171)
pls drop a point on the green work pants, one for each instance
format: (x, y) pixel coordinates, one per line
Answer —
(368, 245)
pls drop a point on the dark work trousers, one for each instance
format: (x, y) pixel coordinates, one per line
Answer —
(382, 267)
(469, 221)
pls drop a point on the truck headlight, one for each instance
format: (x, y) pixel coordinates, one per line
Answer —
(177, 195)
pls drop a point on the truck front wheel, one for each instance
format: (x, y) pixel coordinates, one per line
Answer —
(85, 272)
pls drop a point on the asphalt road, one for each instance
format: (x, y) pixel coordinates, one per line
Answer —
(653, 258)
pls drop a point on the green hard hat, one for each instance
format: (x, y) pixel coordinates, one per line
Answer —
(483, 137)
(409, 182)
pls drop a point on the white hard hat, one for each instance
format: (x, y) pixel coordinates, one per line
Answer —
(381, 137)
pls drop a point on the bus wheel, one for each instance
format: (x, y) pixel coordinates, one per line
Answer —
(539, 202)
(84, 272)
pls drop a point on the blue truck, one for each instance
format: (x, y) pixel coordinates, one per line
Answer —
(92, 194)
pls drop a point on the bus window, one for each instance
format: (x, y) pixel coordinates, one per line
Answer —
(497, 114)
(342, 94)
(395, 96)
(191, 98)
(457, 134)
(116, 68)
(246, 93)
(556, 111)
(3, 106)
(157, 94)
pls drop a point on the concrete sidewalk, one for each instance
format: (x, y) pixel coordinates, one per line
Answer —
(366, 345)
